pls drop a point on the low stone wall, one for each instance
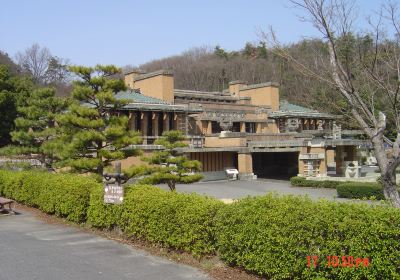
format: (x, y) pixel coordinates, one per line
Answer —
(214, 176)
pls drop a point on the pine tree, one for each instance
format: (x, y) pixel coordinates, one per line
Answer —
(13, 92)
(36, 125)
(168, 166)
(92, 134)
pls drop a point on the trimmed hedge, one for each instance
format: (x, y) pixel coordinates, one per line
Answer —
(181, 221)
(272, 236)
(100, 214)
(303, 182)
(360, 190)
(64, 195)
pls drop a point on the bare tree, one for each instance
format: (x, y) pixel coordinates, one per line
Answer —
(44, 68)
(35, 61)
(364, 68)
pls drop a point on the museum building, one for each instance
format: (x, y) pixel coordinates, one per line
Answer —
(246, 127)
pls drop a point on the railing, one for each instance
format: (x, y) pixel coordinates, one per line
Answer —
(250, 137)
(276, 144)
(194, 141)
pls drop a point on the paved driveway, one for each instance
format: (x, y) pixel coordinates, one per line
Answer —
(31, 249)
(239, 189)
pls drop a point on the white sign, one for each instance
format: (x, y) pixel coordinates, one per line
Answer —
(312, 156)
(113, 193)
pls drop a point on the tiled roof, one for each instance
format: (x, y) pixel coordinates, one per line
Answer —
(136, 97)
(289, 107)
(138, 101)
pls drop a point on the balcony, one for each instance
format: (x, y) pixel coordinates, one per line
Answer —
(193, 141)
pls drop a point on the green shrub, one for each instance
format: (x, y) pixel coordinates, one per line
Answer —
(303, 182)
(181, 221)
(100, 214)
(65, 195)
(272, 236)
(360, 190)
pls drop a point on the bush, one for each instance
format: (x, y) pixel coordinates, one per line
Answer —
(303, 182)
(100, 214)
(360, 190)
(65, 195)
(181, 221)
(272, 236)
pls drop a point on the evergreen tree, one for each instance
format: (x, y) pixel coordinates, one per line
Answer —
(168, 166)
(36, 125)
(92, 134)
(220, 52)
(13, 92)
(249, 50)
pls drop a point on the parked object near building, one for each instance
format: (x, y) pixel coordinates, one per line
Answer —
(232, 173)
(245, 126)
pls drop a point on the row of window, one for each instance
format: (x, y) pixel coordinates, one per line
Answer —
(250, 127)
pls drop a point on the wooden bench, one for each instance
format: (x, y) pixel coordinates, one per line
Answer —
(4, 202)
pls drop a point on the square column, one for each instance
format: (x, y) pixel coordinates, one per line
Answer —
(242, 127)
(166, 121)
(175, 122)
(154, 119)
(144, 123)
(209, 127)
(258, 127)
(245, 166)
(132, 121)
(339, 158)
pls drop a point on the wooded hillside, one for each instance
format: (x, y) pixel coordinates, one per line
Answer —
(212, 69)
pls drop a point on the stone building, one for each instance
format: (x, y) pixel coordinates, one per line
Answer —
(246, 127)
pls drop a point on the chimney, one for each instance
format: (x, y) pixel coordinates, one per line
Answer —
(130, 76)
(158, 84)
(235, 86)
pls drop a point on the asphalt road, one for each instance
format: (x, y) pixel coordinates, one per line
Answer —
(239, 189)
(31, 249)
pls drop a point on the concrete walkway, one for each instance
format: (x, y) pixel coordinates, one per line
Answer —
(31, 249)
(239, 189)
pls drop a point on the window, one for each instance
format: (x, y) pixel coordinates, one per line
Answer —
(251, 127)
(236, 127)
(215, 128)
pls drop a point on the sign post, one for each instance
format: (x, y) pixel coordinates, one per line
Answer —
(113, 189)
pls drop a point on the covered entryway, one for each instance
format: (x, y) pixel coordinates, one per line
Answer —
(276, 165)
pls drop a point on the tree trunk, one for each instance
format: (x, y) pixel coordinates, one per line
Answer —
(171, 185)
(388, 174)
(100, 167)
(390, 190)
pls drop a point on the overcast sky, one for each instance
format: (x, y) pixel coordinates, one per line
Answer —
(125, 32)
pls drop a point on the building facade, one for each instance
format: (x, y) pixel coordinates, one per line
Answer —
(246, 127)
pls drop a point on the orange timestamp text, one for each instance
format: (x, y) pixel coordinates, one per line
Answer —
(339, 261)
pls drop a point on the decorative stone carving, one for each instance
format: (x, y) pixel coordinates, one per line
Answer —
(320, 124)
(231, 116)
(336, 131)
(226, 125)
(352, 169)
(261, 111)
(292, 124)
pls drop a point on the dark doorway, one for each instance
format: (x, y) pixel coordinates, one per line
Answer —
(149, 124)
(160, 124)
(138, 121)
(276, 165)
